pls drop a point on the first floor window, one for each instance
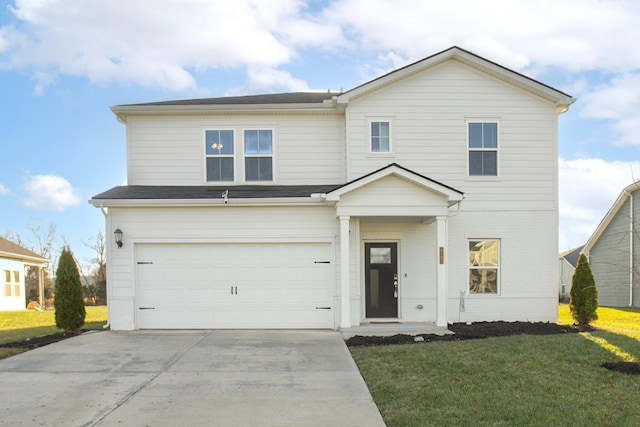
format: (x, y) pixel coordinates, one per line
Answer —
(380, 137)
(483, 149)
(258, 155)
(483, 266)
(11, 283)
(219, 155)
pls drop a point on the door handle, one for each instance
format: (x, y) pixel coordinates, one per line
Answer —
(395, 285)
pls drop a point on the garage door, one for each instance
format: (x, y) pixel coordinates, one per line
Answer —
(192, 286)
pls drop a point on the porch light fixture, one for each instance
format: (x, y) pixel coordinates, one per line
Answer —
(118, 234)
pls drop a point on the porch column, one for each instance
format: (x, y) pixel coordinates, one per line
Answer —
(441, 271)
(345, 297)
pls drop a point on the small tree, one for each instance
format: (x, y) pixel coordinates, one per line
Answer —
(584, 295)
(68, 303)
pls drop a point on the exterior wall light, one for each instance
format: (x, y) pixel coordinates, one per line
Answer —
(118, 234)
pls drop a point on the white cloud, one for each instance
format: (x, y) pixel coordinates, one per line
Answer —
(588, 188)
(619, 102)
(49, 192)
(155, 43)
(161, 43)
(262, 78)
(3, 190)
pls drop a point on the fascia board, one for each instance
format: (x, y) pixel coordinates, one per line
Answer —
(452, 196)
(557, 97)
(128, 203)
(123, 111)
(25, 258)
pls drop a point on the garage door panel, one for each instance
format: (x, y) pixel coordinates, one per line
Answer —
(234, 286)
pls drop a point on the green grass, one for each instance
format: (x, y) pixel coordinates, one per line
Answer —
(20, 325)
(519, 380)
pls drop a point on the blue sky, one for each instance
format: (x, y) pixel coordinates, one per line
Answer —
(63, 63)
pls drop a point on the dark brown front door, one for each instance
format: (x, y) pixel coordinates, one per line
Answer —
(381, 280)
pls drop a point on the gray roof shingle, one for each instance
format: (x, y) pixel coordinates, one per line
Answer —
(169, 192)
(274, 98)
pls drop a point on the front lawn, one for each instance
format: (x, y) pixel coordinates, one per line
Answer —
(20, 325)
(518, 380)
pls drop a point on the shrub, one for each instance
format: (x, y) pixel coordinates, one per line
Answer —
(68, 302)
(584, 295)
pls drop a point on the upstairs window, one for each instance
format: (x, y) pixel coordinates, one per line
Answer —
(258, 155)
(219, 155)
(483, 149)
(483, 266)
(380, 137)
(11, 283)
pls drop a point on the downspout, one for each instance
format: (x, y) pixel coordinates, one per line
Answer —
(105, 212)
(630, 249)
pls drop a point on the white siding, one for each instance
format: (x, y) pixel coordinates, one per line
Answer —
(528, 273)
(429, 112)
(170, 150)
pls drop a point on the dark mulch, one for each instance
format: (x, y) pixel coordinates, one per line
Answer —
(625, 367)
(36, 342)
(463, 331)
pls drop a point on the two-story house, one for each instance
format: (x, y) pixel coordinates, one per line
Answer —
(429, 194)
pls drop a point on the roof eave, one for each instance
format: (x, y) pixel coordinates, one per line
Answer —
(25, 258)
(123, 111)
(273, 201)
(611, 213)
(559, 98)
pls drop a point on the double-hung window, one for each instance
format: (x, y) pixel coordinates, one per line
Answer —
(258, 155)
(219, 155)
(484, 263)
(380, 137)
(483, 148)
(11, 283)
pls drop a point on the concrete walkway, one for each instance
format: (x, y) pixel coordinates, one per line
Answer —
(194, 378)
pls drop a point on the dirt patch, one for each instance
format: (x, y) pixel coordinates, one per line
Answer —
(625, 367)
(463, 331)
(36, 342)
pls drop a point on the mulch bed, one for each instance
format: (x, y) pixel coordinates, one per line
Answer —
(463, 331)
(625, 367)
(36, 342)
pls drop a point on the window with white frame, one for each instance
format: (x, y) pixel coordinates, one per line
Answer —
(483, 148)
(219, 155)
(484, 265)
(380, 134)
(258, 155)
(11, 283)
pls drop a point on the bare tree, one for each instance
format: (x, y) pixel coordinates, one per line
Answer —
(98, 269)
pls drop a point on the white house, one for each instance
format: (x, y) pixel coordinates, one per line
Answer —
(426, 195)
(13, 261)
(614, 251)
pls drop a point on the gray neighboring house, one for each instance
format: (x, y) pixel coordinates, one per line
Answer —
(567, 262)
(614, 251)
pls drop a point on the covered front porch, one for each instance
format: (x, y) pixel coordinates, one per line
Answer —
(392, 223)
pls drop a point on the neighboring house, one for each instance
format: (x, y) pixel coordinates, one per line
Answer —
(13, 261)
(566, 267)
(614, 251)
(426, 195)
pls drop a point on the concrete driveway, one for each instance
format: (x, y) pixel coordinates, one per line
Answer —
(194, 378)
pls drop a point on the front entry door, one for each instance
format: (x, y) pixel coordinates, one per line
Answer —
(381, 280)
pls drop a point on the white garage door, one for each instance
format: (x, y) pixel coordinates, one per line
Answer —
(193, 286)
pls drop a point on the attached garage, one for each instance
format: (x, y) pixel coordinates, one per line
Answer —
(229, 286)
